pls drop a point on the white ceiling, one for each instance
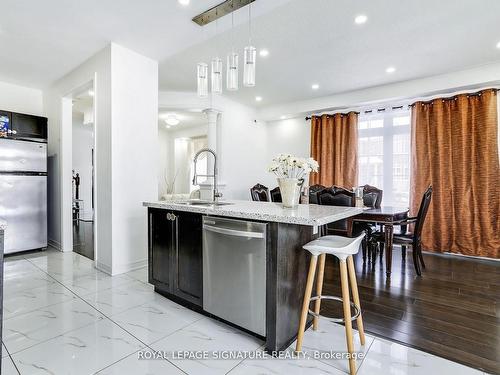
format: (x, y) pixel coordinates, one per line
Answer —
(310, 41)
(317, 41)
(40, 41)
(188, 119)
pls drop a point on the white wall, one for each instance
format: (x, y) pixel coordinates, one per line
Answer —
(241, 141)
(97, 69)
(167, 166)
(83, 143)
(21, 99)
(134, 88)
(126, 110)
(290, 136)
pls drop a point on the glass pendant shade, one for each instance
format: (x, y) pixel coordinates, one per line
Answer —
(232, 72)
(249, 59)
(202, 78)
(216, 75)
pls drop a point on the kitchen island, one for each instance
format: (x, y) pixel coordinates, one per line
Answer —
(181, 249)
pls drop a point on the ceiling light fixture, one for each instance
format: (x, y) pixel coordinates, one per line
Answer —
(360, 19)
(283, 117)
(183, 2)
(202, 79)
(232, 62)
(315, 86)
(249, 55)
(390, 69)
(498, 45)
(258, 98)
(264, 53)
(172, 120)
(91, 93)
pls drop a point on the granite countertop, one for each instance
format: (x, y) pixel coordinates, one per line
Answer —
(304, 214)
(3, 224)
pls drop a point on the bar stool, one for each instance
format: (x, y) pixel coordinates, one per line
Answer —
(343, 248)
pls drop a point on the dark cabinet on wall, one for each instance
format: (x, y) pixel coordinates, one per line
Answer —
(23, 126)
(175, 254)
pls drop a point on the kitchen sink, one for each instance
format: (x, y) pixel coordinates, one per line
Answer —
(198, 202)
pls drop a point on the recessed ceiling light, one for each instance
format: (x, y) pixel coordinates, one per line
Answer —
(498, 45)
(283, 117)
(183, 2)
(315, 86)
(390, 69)
(172, 120)
(264, 52)
(91, 93)
(258, 98)
(360, 19)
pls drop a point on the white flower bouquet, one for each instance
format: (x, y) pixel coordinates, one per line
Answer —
(291, 171)
(289, 166)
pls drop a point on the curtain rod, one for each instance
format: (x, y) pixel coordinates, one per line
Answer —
(331, 114)
(478, 93)
(454, 97)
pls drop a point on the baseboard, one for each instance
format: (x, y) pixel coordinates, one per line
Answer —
(123, 268)
(103, 267)
(132, 266)
(55, 244)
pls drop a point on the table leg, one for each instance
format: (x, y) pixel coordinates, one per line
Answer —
(388, 248)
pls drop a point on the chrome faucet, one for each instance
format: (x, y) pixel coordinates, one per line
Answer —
(215, 193)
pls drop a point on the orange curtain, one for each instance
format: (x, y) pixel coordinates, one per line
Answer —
(455, 149)
(334, 145)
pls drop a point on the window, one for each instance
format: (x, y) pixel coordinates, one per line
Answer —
(384, 154)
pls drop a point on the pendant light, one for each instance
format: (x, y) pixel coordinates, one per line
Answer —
(202, 78)
(249, 55)
(216, 69)
(232, 62)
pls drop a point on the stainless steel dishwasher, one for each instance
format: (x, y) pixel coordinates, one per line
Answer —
(234, 271)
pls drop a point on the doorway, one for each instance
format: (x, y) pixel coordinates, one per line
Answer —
(83, 166)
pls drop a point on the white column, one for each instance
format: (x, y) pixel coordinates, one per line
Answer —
(212, 117)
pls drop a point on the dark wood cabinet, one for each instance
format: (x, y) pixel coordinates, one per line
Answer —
(175, 254)
(188, 257)
(160, 250)
(29, 126)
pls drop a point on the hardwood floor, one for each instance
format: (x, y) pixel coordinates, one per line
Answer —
(451, 311)
(83, 238)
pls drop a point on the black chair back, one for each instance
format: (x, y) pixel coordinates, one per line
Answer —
(337, 196)
(313, 193)
(422, 212)
(372, 196)
(260, 193)
(276, 195)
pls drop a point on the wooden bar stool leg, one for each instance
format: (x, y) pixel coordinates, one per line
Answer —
(319, 288)
(347, 315)
(355, 297)
(305, 304)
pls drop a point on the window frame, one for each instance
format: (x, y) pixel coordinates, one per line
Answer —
(387, 132)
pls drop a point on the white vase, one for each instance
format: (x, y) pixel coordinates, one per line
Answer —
(290, 191)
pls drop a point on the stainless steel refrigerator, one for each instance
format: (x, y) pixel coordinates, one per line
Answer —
(23, 194)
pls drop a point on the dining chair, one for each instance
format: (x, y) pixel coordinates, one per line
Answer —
(313, 193)
(337, 196)
(260, 193)
(412, 239)
(275, 195)
(372, 197)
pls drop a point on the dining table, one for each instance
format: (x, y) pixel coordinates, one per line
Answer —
(386, 216)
